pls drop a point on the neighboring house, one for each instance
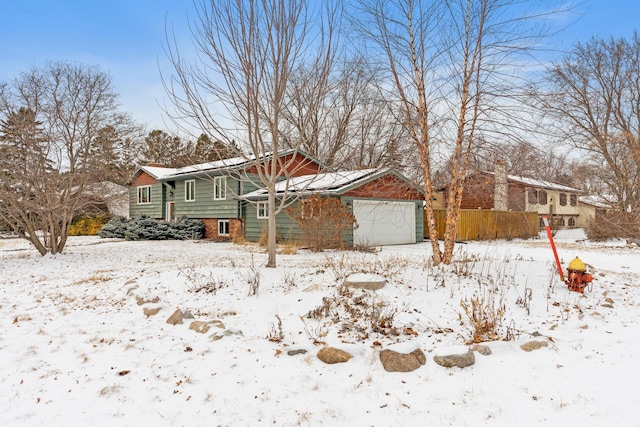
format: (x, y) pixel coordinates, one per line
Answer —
(499, 191)
(233, 207)
(590, 207)
(107, 196)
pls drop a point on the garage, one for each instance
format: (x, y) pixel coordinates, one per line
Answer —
(384, 223)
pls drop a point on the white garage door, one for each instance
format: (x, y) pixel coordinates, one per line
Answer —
(384, 223)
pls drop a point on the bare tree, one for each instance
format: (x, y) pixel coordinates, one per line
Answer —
(452, 63)
(238, 87)
(592, 97)
(354, 126)
(52, 116)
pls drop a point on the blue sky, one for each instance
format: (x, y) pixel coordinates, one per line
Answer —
(125, 38)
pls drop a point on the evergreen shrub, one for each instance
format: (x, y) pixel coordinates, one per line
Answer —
(146, 228)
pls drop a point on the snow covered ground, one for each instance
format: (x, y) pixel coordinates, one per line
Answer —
(77, 349)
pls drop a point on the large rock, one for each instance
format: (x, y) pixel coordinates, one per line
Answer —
(371, 282)
(333, 355)
(392, 361)
(459, 360)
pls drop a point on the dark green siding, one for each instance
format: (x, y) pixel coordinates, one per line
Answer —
(155, 209)
(204, 206)
(286, 228)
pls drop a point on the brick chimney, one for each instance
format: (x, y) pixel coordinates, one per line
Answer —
(501, 186)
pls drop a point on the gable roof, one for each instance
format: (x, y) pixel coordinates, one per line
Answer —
(327, 183)
(531, 182)
(162, 173)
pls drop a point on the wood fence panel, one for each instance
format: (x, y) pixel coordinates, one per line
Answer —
(481, 224)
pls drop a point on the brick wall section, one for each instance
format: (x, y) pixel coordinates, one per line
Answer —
(236, 228)
(299, 166)
(210, 228)
(143, 178)
(386, 187)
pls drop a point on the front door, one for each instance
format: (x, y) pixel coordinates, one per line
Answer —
(169, 211)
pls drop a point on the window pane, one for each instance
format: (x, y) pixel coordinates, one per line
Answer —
(573, 199)
(563, 199)
(542, 197)
(220, 188)
(189, 190)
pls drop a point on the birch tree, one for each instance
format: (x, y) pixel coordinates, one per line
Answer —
(237, 87)
(452, 64)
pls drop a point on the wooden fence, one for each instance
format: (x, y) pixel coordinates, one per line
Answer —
(481, 224)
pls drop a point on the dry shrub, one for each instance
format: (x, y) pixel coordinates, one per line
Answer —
(275, 332)
(614, 225)
(359, 313)
(322, 221)
(483, 314)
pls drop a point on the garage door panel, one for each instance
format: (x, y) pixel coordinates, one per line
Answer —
(384, 222)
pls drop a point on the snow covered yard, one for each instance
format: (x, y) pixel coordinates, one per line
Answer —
(78, 349)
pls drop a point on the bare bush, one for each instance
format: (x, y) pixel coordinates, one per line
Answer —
(483, 314)
(275, 333)
(323, 222)
(614, 225)
(201, 282)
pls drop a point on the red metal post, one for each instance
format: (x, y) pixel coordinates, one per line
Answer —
(553, 246)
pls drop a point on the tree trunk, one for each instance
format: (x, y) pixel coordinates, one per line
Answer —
(271, 228)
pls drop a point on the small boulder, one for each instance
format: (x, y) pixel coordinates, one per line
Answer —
(198, 326)
(150, 311)
(333, 355)
(176, 317)
(533, 345)
(392, 361)
(459, 360)
(140, 300)
(482, 349)
(371, 282)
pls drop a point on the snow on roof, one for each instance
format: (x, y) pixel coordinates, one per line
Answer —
(165, 173)
(531, 182)
(211, 166)
(158, 172)
(593, 200)
(544, 184)
(332, 182)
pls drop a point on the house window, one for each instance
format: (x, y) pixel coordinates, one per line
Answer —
(223, 227)
(533, 196)
(263, 210)
(190, 190)
(572, 222)
(144, 195)
(542, 197)
(563, 199)
(573, 200)
(220, 188)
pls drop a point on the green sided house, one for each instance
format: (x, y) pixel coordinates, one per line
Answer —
(388, 209)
